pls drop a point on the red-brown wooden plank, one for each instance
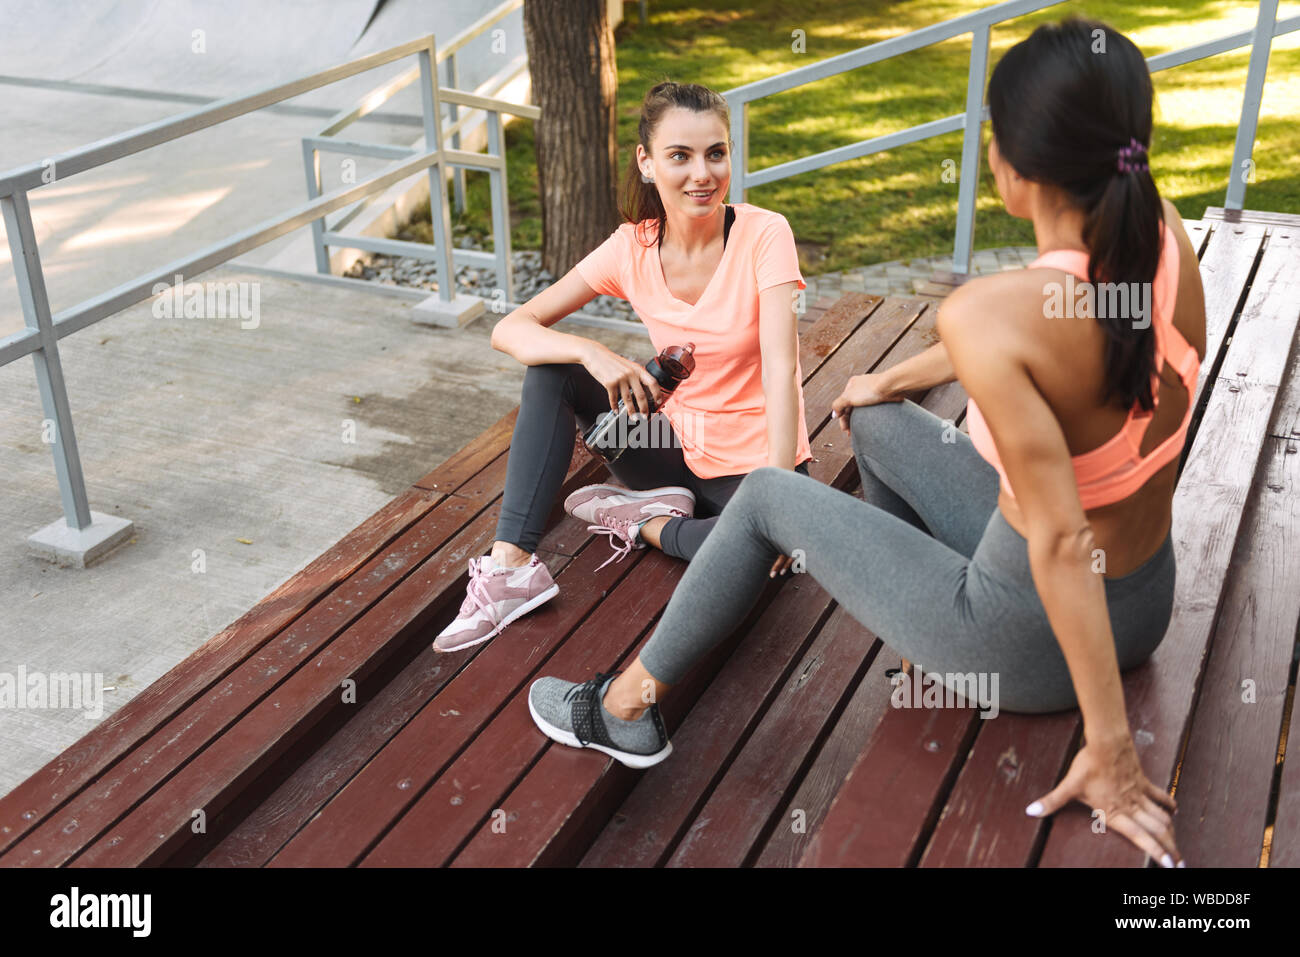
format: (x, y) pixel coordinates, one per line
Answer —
(1261, 216)
(1227, 770)
(468, 790)
(886, 806)
(803, 814)
(741, 809)
(1230, 255)
(983, 823)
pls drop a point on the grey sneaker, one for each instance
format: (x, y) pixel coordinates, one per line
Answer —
(573, 714)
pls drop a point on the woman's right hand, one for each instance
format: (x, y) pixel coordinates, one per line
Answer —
(866, 389)
(623, 378)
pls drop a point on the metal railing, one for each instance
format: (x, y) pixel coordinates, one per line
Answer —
(44, 329)
(327, 138)
(978, 25)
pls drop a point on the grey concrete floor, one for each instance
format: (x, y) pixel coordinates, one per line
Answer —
(204, 433)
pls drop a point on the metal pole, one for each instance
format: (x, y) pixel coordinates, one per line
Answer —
(739, 149)
(438, 206)
(1242, 164)
(457, 174)
(968, 183)
(49, 370)
(500, 206)
(311, 163)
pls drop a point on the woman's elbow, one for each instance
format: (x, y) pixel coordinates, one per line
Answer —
(501, 334)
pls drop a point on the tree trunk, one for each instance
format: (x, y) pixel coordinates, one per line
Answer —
(575, 84)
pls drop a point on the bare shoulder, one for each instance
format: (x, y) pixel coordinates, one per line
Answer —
(992, 309)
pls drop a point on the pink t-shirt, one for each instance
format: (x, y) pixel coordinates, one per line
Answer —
(720, 412)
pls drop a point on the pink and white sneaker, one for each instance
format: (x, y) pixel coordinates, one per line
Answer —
(619, 512)
(495, 597)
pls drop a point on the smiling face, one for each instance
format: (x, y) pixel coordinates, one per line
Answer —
(689, 161)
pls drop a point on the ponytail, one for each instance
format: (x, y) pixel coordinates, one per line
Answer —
(1071, 106)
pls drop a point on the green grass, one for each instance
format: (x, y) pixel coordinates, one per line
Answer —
(895, 205)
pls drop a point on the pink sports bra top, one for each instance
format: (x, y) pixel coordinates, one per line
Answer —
(1115, 469)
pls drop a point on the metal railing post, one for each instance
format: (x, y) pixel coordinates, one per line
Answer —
(49, 370)
(457, 174)
(1242, 164)
(438, 212)
(968, 181)
(311, 163)
(739, 149)
(500, 206)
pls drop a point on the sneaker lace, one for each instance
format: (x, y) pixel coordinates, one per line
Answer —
(620, 528)
(476, 595)
(620, 538)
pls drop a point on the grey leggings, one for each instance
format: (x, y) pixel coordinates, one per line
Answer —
(558, 396)
(926, 562)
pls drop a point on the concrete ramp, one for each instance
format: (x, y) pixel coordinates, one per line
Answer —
(201, 47)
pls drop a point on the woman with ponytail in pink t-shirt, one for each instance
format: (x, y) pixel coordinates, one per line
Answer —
(724, 277)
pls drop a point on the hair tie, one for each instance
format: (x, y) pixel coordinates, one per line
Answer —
(1132, 158)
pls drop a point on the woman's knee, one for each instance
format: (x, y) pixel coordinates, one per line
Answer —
(884, 425)
(550, 380)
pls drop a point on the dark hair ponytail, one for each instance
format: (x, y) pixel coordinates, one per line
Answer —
(1071, 105)
(641, 203)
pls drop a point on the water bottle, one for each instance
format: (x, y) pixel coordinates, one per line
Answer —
(608, 435)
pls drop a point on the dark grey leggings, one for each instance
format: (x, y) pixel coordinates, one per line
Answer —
(557, 398)
(926, 562)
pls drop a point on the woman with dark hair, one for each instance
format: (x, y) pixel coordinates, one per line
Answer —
(1039, 550)
(721, 277)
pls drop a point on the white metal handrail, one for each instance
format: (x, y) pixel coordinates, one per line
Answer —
(978, 25)
(442, 252)
(43, 329)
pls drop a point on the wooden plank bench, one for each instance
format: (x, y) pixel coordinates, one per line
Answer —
(321, 729)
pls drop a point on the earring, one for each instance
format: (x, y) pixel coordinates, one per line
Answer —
(646, 179)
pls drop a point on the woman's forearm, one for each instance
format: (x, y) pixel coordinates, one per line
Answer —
(925, 371)
(523, 337)
(1074, 597)
(782, 397)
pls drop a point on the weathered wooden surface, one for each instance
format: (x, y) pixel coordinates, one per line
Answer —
(786, 748)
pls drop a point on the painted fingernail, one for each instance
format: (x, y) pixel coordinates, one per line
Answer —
(1182, 863)
(1167, 861)
(834, 414)
(1034, 809)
